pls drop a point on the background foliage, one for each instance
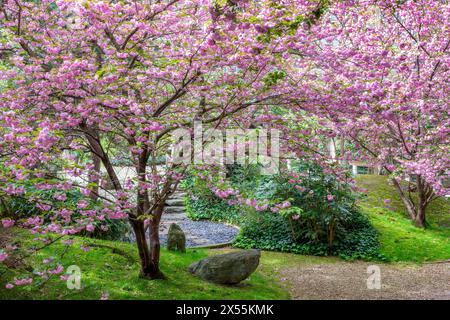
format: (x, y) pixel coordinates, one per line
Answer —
(311, 225)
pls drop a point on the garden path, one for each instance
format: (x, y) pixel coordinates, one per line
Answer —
(348, 281)
(198, 233)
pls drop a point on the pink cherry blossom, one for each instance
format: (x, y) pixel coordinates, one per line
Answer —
(23, 282)
(58, 270)
(82, 204)
(105, 296)
(85, 248)
(7, 223)
(61, 197)
(115, 79)
(3, 256)
(64, 277)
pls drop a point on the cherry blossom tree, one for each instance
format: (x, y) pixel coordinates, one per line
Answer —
(378, 78)
(114, 79)
(85, 83)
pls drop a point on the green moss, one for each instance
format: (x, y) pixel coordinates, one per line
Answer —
(401, 241)
(105, 271)
(379, 189)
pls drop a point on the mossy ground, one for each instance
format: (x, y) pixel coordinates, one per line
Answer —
(400, 239)
(103, 271)
(116, 274)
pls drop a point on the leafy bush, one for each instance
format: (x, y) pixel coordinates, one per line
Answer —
(203, 204)
(271, 232)
(212, 209)
(321, 219)
(360, 241)
(268, 231)
(320, 205)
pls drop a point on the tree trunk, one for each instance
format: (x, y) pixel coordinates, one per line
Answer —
(94, 176)
(94, 141)
(410, 207)
(149, 266)
(417, 212)
(155, 246)
(422, 203)
(420, 220)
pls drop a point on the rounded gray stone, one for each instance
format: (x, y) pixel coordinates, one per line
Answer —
(176, 239)
(229, 268)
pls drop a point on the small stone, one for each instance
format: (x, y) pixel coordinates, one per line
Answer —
(176, 239)
(229, 268)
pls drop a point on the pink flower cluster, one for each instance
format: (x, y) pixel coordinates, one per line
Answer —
(7, 223)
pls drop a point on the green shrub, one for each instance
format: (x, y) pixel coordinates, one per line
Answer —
(202, 204)
(319, 211)
(212, 209)
(361, 240)
(269, 231)
(322, 218)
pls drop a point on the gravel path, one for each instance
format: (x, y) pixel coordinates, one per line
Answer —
(199, 233)
(348, 280)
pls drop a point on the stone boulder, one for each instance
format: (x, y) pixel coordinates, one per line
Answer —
(176, 239)
(229, 268)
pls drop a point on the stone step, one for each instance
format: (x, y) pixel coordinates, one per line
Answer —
(165, 227)
(169, 222)
(174, 209)
(173, 217)
(176, 198)
(178, 194)
(175, 202)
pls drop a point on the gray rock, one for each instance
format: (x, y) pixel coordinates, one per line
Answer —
(213, 232)
(229, 268)
(176, 239)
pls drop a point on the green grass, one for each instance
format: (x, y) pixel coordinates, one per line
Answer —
(117, 274)
(400, 240)
(379, 189)
(104, 271)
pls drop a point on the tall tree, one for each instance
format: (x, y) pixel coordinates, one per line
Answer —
(378, 73)
(88, 74)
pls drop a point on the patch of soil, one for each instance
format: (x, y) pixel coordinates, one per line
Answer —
(348, 281)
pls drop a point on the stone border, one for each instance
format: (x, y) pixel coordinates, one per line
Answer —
(213, 246)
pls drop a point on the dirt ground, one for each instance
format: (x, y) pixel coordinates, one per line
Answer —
(348, 281)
